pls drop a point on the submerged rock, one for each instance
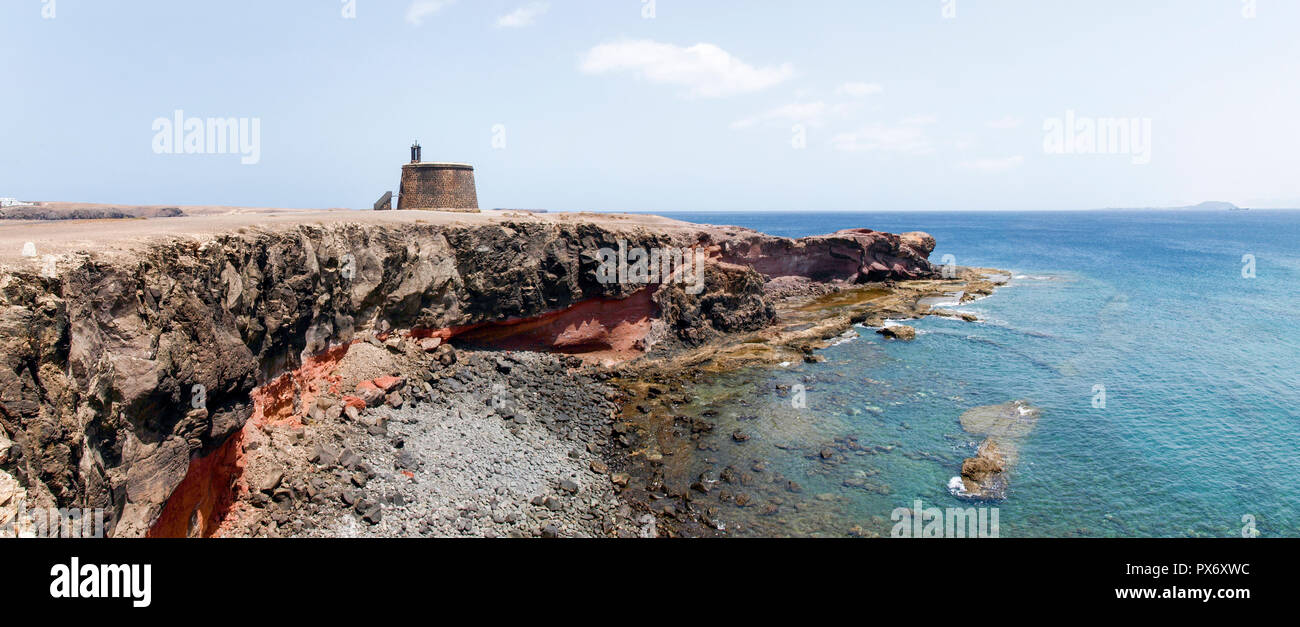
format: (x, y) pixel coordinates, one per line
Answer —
(952, 313)
(985, 475)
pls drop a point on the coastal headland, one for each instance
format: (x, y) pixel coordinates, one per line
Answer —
(280, 372)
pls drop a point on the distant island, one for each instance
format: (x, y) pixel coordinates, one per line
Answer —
(1209, 205)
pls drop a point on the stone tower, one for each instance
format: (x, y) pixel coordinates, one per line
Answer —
(436, 185)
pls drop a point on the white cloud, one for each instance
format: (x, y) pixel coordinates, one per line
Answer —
(1005, 123)
(907, 137)
(421, 9)
(992, 166)
(858, 90)
(706, 70)
(523, 16)
(807, 112)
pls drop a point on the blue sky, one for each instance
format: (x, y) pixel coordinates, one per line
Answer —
(902, 105)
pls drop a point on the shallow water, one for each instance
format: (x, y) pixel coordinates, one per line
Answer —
(1199, 429)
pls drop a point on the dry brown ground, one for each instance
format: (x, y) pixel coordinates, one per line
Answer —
(107, 237)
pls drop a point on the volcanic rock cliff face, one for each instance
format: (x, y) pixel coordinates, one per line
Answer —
(854, 255)
(119, 370)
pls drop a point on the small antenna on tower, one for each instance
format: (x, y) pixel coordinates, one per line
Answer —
(415, 152)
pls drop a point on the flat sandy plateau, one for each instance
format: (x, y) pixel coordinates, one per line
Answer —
(110, 236)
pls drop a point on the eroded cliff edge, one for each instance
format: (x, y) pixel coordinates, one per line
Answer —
(117, 370)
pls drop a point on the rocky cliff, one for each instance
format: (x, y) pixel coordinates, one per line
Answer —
(117, 370)
(853, 255)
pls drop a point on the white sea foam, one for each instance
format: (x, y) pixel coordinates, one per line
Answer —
(956, 487)
(951, 299)
(847, 336)
(898, 323)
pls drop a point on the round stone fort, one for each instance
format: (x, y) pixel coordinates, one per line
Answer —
(437, 185)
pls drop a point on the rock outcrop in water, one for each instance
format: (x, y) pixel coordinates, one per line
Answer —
(984, 476)
(898, 332)
(119, 370)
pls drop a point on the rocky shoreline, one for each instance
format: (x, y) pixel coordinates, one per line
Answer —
(656, 431)
(466, 376)
(522, 444)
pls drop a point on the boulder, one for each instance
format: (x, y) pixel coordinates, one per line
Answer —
(921, 242)
(898, 332)
(372, 395)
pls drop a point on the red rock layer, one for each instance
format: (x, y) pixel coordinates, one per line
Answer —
(206, 495)
(214, 482)
(606, 326)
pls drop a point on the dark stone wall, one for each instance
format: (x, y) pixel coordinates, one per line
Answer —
(437, 186)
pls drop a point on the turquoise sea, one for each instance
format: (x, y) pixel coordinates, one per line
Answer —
(1200, 430)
